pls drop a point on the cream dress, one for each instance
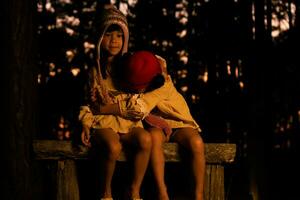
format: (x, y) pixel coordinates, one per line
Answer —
(115, 122)
(167, 103)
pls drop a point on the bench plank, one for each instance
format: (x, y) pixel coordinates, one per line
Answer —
(215, 153)
(67, 181)
(65, 154)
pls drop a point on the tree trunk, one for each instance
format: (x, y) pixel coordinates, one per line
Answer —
(260, 76)
(19, 98)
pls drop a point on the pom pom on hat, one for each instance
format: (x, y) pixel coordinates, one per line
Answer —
(139, 69)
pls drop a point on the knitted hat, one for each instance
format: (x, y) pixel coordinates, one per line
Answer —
(139, 70)
(109, 15)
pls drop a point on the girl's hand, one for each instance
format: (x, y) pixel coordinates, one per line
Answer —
(133, 115)
(85, 136)
(128, 109)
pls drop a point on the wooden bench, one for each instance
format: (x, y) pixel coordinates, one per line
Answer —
(64, 153)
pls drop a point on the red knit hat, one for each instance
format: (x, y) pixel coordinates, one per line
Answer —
(139, 70)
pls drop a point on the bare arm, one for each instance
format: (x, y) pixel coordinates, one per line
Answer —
(149, 100)
(110, 109)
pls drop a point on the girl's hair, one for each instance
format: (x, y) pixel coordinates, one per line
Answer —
(156, 83)
(114, 27)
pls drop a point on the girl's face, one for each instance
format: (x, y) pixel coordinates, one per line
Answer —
(112, 42)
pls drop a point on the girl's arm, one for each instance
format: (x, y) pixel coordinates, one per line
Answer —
(87, 117)
(147, 101)
(110, 109)
(116, 109)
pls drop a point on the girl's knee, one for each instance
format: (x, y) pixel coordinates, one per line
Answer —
(144, 140)
(157, 136)
(197, 145)
(114, 149)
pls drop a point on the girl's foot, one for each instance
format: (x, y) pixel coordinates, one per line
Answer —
(130, 195)
(106, 197)
(163, 194)
(163, 197)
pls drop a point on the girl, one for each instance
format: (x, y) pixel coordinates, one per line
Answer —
(111, 126)
(170, 105)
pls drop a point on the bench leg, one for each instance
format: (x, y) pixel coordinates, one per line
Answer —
(67, 183)
(214, 183)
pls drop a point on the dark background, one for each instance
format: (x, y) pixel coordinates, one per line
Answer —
(241, 81)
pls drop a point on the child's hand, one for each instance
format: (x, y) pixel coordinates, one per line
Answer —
(128, 110)
(159, 122)
(133, 115)
(85, 136)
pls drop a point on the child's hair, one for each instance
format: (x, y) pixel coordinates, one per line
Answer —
(156, 82)
(114, 27)
(138, 71)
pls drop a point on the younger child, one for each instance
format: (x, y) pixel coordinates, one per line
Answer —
(111, 127)
(170, 105)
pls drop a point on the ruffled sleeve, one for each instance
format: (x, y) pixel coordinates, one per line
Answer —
(86, 116)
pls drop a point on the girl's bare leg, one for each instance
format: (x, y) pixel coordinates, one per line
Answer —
(110, 141)
(157, 160)
(140, 139)
(192, 141)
